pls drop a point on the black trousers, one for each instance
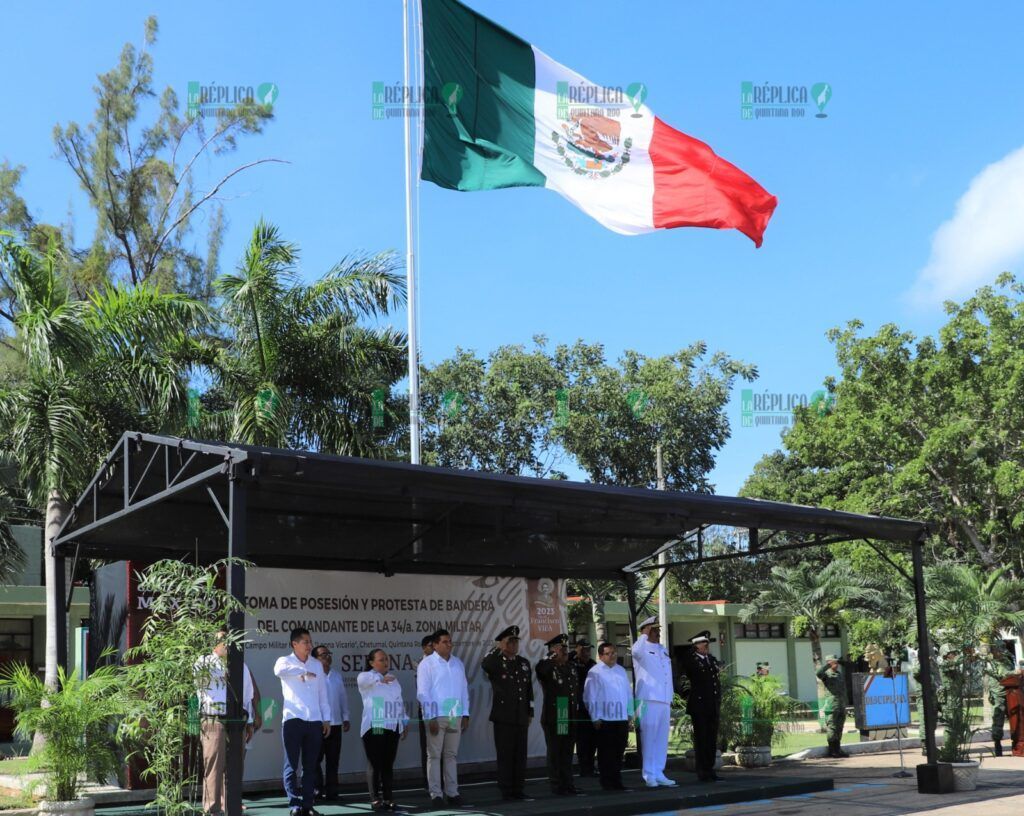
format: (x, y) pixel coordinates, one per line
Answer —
(586, 744)
(705, 740)
(611, 739)
(330, 750)
(560, 755)
(510, 743)
(380, 750)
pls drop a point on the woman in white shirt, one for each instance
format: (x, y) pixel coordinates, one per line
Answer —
(384, 721)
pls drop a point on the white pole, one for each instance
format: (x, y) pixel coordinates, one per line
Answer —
(410, 268)
(662, 562)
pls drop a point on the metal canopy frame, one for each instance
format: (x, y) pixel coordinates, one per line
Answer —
(156, 496)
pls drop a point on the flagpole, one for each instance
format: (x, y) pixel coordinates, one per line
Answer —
(410, 268)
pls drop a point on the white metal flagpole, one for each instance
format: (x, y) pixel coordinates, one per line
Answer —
(410, 268)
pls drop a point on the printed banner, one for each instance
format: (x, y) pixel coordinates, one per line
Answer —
(352, 613)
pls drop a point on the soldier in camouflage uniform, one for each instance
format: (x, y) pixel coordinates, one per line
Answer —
(996, 667)
(834, 678)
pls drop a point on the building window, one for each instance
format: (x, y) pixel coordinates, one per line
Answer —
(760, 630)
(830, 630)
(15, 640)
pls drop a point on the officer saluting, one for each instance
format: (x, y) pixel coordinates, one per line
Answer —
(704, 702)
(511, 711)
(561, 700)
(652, 668)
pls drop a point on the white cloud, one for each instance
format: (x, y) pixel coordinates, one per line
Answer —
(984, 237)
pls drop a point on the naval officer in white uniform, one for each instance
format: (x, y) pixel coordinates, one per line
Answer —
(652, 668)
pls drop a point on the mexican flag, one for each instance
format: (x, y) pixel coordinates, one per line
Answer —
(501, 113)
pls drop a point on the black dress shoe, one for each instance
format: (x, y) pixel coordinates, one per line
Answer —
(437, 802)
(295, 811)
(522, 797)
(574, 791)
(455, 801)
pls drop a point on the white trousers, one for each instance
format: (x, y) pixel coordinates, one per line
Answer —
(445, 743)
(654, 739)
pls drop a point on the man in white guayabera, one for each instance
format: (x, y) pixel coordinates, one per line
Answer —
(443, 694)
(305, 720)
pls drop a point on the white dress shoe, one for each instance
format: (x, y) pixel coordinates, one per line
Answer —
(664, 781)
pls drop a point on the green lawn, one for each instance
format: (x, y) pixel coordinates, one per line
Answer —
(16, 801)
(14, 766)
(790, 745)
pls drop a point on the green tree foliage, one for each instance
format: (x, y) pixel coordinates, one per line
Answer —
(93, 367)
(928, 428)
(531, 411)
(140, 177)
(494, 415)
(619, 414)
(814, 595)
(298, 368)
(187, 611)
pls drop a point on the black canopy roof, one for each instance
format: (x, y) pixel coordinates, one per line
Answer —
(160, 497)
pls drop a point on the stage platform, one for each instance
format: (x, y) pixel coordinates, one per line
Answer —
(737, 785)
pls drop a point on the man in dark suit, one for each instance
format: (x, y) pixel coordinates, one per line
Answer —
(511, 711)
(703, 702)
(586, 740)
(561, 700)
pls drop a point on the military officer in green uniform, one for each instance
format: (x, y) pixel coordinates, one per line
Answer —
(561, 700)
(996, 667)
(832, 675)
(511, 711)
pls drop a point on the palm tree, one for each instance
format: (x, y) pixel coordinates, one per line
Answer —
(299, 370)
(970, 606)
(814, 594)
(92, 368)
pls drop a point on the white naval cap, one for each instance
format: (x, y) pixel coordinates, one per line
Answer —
(651, 621)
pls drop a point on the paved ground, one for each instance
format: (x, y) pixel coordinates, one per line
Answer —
(865, 786)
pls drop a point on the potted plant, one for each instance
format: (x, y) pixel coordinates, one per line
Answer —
(764, 709)
(961, 682)
(77, 722)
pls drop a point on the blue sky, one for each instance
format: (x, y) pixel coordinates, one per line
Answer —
(927, 109)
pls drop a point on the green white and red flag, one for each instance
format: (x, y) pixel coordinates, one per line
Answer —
(510, 116)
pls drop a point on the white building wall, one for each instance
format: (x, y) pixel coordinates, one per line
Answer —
(750, 652)
(806, 686)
